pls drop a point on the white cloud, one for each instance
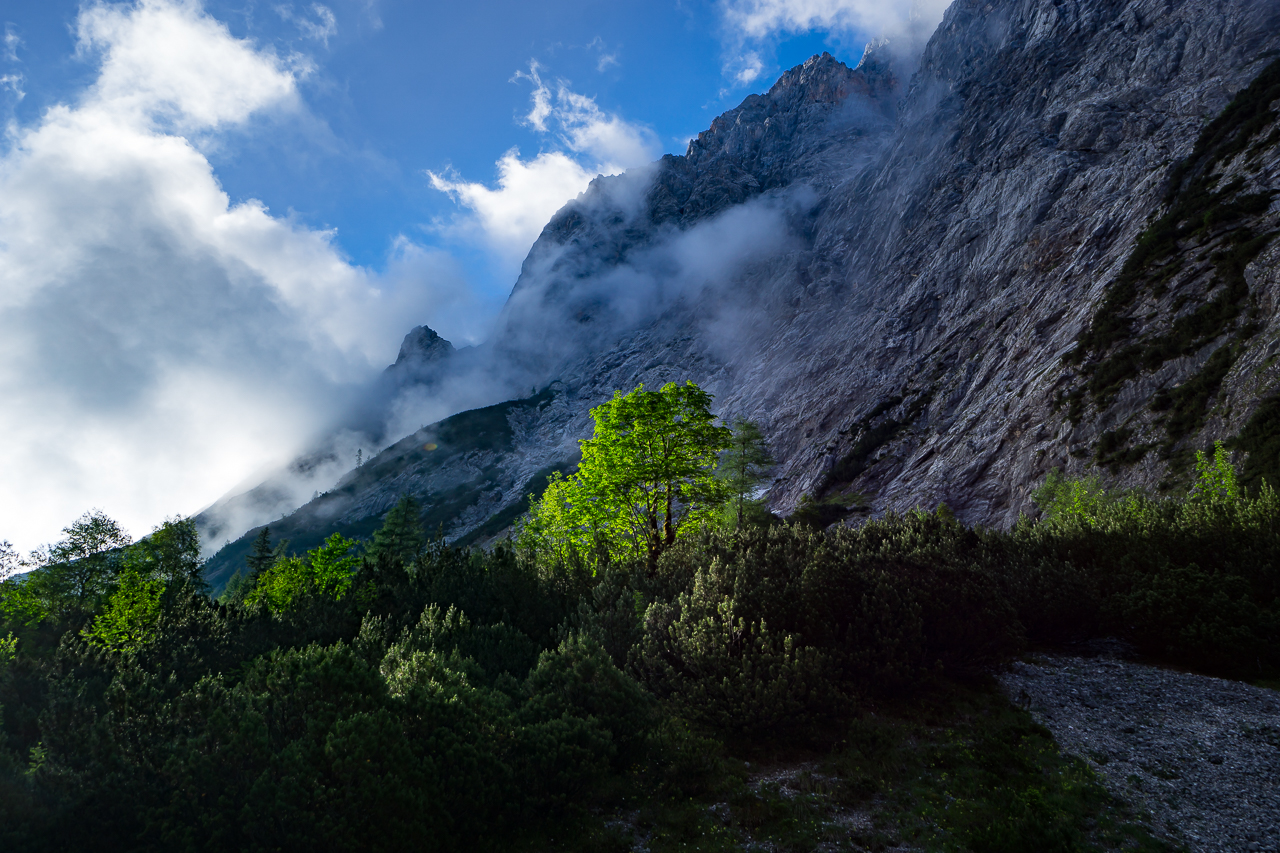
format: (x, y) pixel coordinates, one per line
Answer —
(158, 343)
(13, 82)
(166, 63)
(11, 43)
(510, 216)
(906, 23)
(324, 27)
(762, 18)
(606, 59)
(747, 68)
(586, 141)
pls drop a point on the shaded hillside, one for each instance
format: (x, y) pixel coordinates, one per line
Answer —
(466, 471)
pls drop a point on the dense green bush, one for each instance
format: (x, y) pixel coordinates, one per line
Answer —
(468, 699)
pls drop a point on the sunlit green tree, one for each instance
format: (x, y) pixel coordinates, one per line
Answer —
(326, 571)
(647, 473)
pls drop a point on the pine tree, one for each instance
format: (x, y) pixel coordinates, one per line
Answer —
(401, 533)
(744, 466)
(262, 556)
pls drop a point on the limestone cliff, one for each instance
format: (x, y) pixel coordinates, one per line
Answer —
(1052, 246)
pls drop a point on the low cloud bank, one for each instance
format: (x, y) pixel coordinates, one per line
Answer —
(159, 343)
(572, 304)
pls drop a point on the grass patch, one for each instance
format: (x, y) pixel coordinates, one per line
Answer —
(1113, 449)
(1260, 439)
(1188, 403)
(871, 437)
(958, 768)
(1201, 220)
(820, 513)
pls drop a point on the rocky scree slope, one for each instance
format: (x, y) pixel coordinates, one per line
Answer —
(927, 290)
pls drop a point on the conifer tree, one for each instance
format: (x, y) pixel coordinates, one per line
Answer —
(744, 466)
(401, 533)
(261, 556)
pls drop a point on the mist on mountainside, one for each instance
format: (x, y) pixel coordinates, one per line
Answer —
(887, 273)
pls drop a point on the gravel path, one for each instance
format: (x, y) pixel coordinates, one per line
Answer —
(1201, 754)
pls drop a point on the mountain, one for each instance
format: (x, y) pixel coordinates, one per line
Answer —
(1049, 246)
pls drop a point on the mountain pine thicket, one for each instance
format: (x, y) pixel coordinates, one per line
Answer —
(420, 696)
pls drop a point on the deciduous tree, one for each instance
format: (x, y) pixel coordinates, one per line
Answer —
(647, 472)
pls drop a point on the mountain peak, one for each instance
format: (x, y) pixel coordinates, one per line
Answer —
(822, 77)
(423, 346)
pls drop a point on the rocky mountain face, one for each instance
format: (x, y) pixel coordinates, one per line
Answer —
(1050, 247)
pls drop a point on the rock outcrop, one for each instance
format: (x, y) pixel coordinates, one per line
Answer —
(951, 247)
(909, 284)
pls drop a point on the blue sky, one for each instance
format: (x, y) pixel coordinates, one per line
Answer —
(400, 88)
(218, 219)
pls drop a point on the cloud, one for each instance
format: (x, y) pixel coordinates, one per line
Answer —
(747, 68)
(157, 342)
(606, 59)
(13, 82)
(585, 141)
(510, 216)
(11, 43)
(321, 29)
(761, 18)
(907, 24)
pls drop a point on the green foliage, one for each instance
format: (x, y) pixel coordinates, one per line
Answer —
(132, 612)
(1215, 482)
(23, 602)
(1194, 579)
(1060, 497)
(1260, 439)
(324, 571)
(88, 536)
(872, 436)
(820, 513)
(646, 473)
(10, 561)
(261, 555)
(400, 536)
(505, 699)
(701, 653)
(744, 466)
(83, 573)
(74, 575)
(965, 771)
(1202, 223)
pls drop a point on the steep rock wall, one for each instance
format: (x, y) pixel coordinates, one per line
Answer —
(909, 286)
(911, 347)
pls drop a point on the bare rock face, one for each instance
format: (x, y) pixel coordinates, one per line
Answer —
(926, 291)
(423, 357)
(951, 249)
(423, 346)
